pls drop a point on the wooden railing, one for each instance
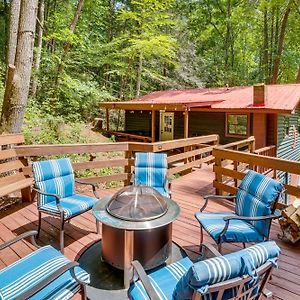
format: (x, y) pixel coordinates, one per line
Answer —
(109, 162)
(248, 161)
(266, 151)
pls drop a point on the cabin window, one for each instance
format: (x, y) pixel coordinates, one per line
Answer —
(237, 124)
(286, 125)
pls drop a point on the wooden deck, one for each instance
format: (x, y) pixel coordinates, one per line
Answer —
(187, 191)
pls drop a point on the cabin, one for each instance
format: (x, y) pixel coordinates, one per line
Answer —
(270, 113)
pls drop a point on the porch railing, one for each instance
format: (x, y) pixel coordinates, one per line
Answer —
(249, 161)
(109, 162)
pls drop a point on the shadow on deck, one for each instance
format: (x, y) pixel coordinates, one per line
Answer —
(188, 191)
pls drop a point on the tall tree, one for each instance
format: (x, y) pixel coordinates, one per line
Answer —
(17, 84)
(38, 54)
(280, 43)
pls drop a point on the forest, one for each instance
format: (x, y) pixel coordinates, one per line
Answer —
(60, 58)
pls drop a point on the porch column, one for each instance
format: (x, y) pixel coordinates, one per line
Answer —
(186, 124)
(107, 119)
(153, 126)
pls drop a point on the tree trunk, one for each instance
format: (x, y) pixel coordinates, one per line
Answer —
(265, 47)
(37, 60)
(11, 53)
(298, 75)
(280, 44)
(139, 76)
(13, 31)
(17, 85)
(67, 45)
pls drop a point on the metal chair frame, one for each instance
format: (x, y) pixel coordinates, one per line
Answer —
(35, 289)
(60, 214)
(264, 273)
(227, 219)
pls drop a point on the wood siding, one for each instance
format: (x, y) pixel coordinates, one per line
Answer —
(288, 146)
(138, 122)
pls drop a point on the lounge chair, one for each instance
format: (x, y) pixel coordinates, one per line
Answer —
(151, 169)
(256, 199)
(239, 275)
(43, 274)
(55, 185)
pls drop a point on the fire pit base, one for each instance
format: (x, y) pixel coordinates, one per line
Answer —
(106, 277)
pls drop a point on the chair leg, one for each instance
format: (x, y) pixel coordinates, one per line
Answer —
(97, 226)
(39, 224)
(83, 293)
(61, 235)
(220, 247)
(201, 236)
(244, 245)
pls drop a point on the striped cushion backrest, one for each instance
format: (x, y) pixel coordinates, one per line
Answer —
(55, 177)
(150, 169)
(219, 269)
(255, 197)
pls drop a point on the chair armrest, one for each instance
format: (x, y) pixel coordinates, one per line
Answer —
(236, 217)
(145, 280)
(217, 197)
(93, 185)
(35, 289)
(57, 198)
(260, 218)
(20, 237)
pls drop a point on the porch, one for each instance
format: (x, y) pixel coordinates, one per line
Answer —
(188, 191)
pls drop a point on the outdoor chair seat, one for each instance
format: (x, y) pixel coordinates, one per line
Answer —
(238, 230)
(246, 271)
(72, 206)
(28, 272)
(255, 204)
(54, 182)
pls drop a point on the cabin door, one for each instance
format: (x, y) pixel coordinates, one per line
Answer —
(166, 127)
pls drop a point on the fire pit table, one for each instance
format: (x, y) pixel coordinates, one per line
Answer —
(136, 225)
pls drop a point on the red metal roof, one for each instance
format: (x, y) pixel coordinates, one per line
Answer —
(279, 97)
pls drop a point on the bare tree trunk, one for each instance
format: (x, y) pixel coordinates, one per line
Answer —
(265, 47)
(11, 52)
(37, 61)
(13, 31)
(67, 46)
(17, 85)
(280, 44)
(139, 76)
(298, 75)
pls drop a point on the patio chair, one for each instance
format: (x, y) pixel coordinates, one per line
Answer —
(151, 169)
(43, 274)
(255, 200)
(239, 275)
(55, 185)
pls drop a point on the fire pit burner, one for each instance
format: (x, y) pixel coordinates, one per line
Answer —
(136, 225)
(137, 203)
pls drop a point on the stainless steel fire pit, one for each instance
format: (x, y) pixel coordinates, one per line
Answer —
(136, 224)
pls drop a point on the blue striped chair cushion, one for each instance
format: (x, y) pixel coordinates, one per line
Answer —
(72, 206)
(52, 168)
(262, 187)
(255, 197)
(30, 270)
(238, 230)
(54, 177)
(218, 269)
(151, 169)
(163, 280)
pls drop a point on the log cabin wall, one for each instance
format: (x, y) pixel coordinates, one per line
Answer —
(138, 122)
(288, 140)
(204, 123)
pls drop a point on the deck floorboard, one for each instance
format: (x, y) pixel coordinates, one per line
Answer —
(187, 191)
